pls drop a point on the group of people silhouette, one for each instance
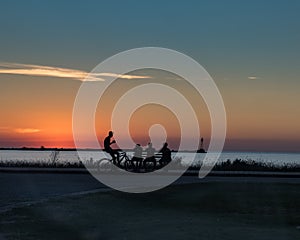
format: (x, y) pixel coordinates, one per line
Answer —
(138, 152)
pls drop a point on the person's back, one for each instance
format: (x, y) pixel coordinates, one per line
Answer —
(137, 156)
(107, 143)
(107, 148)
(166, 154)
(138, 151)
(150, 151)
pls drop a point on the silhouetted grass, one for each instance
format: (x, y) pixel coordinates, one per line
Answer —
(229, 165)
(41, 164)
(251, 165)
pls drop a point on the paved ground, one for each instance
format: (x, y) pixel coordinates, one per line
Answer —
(18, 189)
(75, 206)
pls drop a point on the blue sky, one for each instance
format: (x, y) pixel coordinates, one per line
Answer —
(218, 34)
(233, 40)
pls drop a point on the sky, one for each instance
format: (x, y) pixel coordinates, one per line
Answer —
(250, 48)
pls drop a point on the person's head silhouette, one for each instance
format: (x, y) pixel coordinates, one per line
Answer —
(110, 133)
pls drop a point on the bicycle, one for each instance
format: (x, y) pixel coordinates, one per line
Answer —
(147, 164)
(106, 163)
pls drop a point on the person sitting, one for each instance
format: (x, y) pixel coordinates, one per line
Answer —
(166, 155)
(150, 151)
(150, 158)
(137, 155)
(107, 148)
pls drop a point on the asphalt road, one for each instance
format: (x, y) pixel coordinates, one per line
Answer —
(21, 189)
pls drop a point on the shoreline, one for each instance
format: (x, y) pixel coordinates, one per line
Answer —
(129, 150)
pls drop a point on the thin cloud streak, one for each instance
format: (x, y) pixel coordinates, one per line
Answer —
(48, 71)
(19, 130)
(27, 130)
(253, 77)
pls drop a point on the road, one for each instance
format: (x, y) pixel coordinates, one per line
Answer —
(21, 189)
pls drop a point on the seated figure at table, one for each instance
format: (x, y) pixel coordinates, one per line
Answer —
(166, 155)
(137, 155)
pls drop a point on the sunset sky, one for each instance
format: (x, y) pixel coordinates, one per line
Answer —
(250, 48)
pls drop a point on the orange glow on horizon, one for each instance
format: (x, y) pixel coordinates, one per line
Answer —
(42, 115)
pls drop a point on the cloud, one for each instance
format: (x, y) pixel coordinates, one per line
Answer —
(27, 130)
(19, 130)
(48, 71)
(253, 77)
(124, 76)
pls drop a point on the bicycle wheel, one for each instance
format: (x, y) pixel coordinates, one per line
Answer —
(129, 166)
(104, 164)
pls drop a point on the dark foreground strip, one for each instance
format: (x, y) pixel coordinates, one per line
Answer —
(247, 174)
(187, 173)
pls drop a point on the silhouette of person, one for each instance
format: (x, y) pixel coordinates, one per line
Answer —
(107, 148)
(137, 155)
(166, 155)
(150, 151)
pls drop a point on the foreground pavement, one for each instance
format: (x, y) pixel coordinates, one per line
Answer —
(76, 206)
(25, 188)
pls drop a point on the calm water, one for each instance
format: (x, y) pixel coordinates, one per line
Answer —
(71, 156)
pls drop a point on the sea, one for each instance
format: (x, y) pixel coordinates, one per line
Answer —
(72, 156)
